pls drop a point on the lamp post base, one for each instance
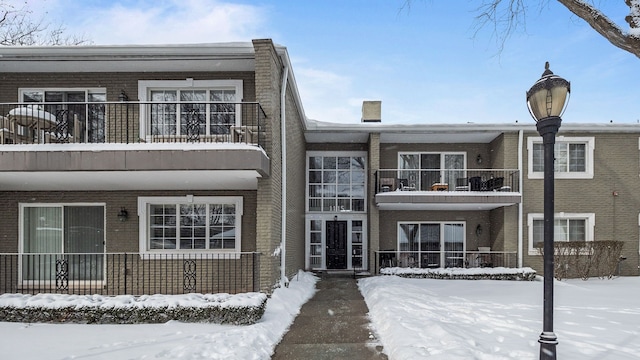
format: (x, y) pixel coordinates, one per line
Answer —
(548, 342)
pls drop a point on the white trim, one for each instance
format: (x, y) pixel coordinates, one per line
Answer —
(362, 154)
(590, 223)
(146, 86)
(86, 90)
(589, 157)
(143, 241)
(326, 217)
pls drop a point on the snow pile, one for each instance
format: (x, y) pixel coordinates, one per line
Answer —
(497, 273)
(246, 308)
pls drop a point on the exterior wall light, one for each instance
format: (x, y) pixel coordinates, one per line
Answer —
(123, 214)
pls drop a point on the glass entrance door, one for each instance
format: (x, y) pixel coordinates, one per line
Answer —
(336, 240)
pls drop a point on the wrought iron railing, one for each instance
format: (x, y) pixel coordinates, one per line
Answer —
(129, 273)
(129, 122)
(458, 180)
(444, 259)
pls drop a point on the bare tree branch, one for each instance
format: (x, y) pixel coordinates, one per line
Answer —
(505, 16)
(17, 28)
(605, 27)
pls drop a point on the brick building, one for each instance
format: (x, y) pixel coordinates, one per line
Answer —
(193, 168)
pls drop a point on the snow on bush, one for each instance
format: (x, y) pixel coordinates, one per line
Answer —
(497, 273)
(239, 309)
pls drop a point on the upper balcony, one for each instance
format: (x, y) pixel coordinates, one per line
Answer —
(438, 189)
(157, 145)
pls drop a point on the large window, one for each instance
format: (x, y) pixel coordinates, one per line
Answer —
(67, 238)
(423, 170)
(432, 244)
(573, 158)
(191, 223)
(190, 107)
(336, 182)
(79, 112)
(566, 227)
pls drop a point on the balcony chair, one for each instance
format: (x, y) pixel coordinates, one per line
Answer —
(462, 184)
(403, 185)
(387, 184)
(475, 183)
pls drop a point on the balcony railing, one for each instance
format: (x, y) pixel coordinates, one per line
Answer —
(459, 180)
(132, 122)
(129, 273)
(444, 259)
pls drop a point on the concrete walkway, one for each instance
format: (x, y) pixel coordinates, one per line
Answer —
(332, 325)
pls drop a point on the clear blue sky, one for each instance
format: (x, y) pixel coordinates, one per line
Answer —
(426, 63)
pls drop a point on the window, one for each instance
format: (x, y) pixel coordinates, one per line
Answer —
(63, 236)
(573, 158)
(432, 244)
(566, 227)
(336, 183)
(82, 111)
(422, 170)
(184, 224)
(190, 107)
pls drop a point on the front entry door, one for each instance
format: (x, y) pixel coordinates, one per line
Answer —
(336, 233)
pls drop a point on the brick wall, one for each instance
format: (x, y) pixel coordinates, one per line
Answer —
(612, 194)
(268, 69)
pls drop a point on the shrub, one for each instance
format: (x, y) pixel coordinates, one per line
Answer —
(584, 259)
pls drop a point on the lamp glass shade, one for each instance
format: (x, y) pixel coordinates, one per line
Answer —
(548, 96)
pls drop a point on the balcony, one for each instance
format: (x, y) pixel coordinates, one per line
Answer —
(458, 189)
(45, 146)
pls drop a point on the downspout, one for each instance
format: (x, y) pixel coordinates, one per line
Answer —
(283, 135)
(520, 205)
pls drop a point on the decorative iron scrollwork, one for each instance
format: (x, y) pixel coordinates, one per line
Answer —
(62, 133)
(193, 125)
(189, 267)
(62, 274)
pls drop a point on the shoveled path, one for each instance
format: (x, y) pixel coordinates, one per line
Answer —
(332, 325)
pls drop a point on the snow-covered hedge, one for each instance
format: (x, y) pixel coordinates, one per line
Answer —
(240, 309)
(497, 273)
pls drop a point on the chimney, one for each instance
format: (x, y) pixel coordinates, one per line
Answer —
(371, 111)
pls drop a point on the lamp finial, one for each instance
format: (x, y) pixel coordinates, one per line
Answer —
(546, 72)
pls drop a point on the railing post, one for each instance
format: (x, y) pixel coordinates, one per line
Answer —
(124, 273)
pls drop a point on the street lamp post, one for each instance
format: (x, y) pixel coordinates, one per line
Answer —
(546, 101)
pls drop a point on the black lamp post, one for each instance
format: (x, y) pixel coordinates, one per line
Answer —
(546, 101)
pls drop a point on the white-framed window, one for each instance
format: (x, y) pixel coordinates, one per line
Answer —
(82, 108)
(421, 170)
(175, 107)
(431, 244)
(573, 157)
(566, 227)
(336, 181)
(190, 224)
(67, 236)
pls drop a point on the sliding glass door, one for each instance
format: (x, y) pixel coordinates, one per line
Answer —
(420, 171)
(63, 243)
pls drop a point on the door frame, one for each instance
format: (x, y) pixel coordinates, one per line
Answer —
(324, 218)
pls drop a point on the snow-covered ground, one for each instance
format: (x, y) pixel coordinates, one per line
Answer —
(172, 340)
(485, 319)
(414, 319)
